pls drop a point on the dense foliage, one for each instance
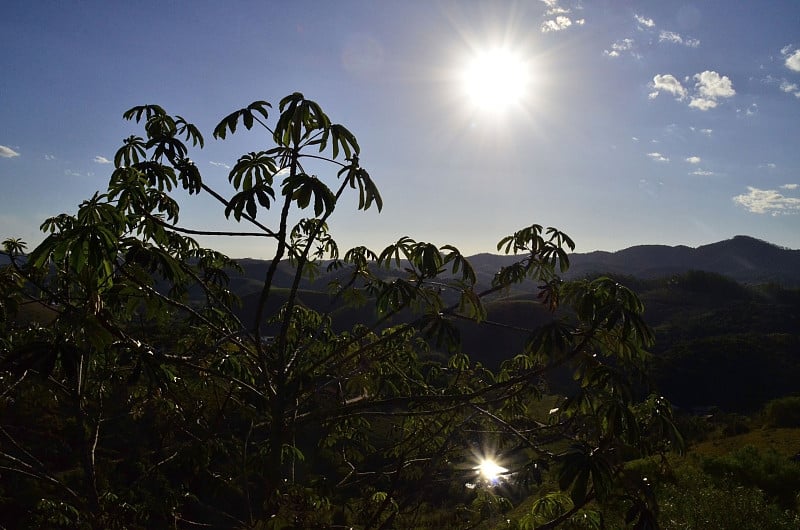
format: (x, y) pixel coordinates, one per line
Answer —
(136, 394)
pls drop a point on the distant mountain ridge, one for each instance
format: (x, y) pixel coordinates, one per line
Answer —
(742, 258)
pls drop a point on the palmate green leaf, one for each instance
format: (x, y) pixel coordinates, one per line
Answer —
(400, 250)
(427, 259)
(546, 508)
(550, 341)
(579, 464)
(396, 295)
(357, 177)
(299, 119)
(14, 246)
(591, 519)
(253, 169)
(249, 200)
(460, 263)
(511, 274)
(149, 112)
(247, 114)
(360, 256)
(189, 130)
(189, 176)
(344, 139)
(131, 152)
(528, 239)
(470, 305)
(303, 188)
(158, 175)
(167, 146)
(441, 331)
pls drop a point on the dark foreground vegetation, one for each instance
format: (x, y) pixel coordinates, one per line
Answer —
(146, 382)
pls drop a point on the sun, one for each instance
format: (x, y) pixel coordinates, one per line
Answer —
(496, 78)
(490, 470)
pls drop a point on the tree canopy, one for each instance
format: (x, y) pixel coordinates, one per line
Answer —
(135, 394)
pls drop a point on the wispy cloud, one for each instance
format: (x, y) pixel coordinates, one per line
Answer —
(751, 110)
(644, 22)
(617, 48)
(49, 157)
(71, 173)
(560, 19)
(677, 38)
(792, 58)
(768, 201)
(702, 173)
(790, 88)
(7, 152)
(707, 132)
(783, 84)
(101, 160)
(694, 160)
(790, 186)
(658, 157)
(559, 23)
(709, 88)
(220, 164)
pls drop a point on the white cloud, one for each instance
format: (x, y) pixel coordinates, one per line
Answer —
(556, 24)
(634, 138)
(7, 152)
(220, 164)
(708, 89)
(792, 59)
(70, 173)
(667, 83)
(790, 186)
(556, 9)
(790, 88)
(694, 160)
(49, 157)
(702, 103)
(559, 20)
(712, 85)
(644, 22)
(658, 157)
(767, 201)
(623, 45)
(702, 173)
(101, 160)
(707, 132)
(559, 23)
(676, 38)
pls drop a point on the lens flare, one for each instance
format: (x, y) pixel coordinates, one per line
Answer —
(490, 470)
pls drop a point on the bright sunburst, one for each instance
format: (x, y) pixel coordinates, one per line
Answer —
(496, 79)
(489, 470)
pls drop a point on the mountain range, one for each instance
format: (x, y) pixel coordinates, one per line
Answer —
(744, 259)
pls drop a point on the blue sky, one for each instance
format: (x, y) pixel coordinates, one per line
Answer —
(641, 122)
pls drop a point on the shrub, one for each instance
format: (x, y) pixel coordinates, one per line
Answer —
(783, 412)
